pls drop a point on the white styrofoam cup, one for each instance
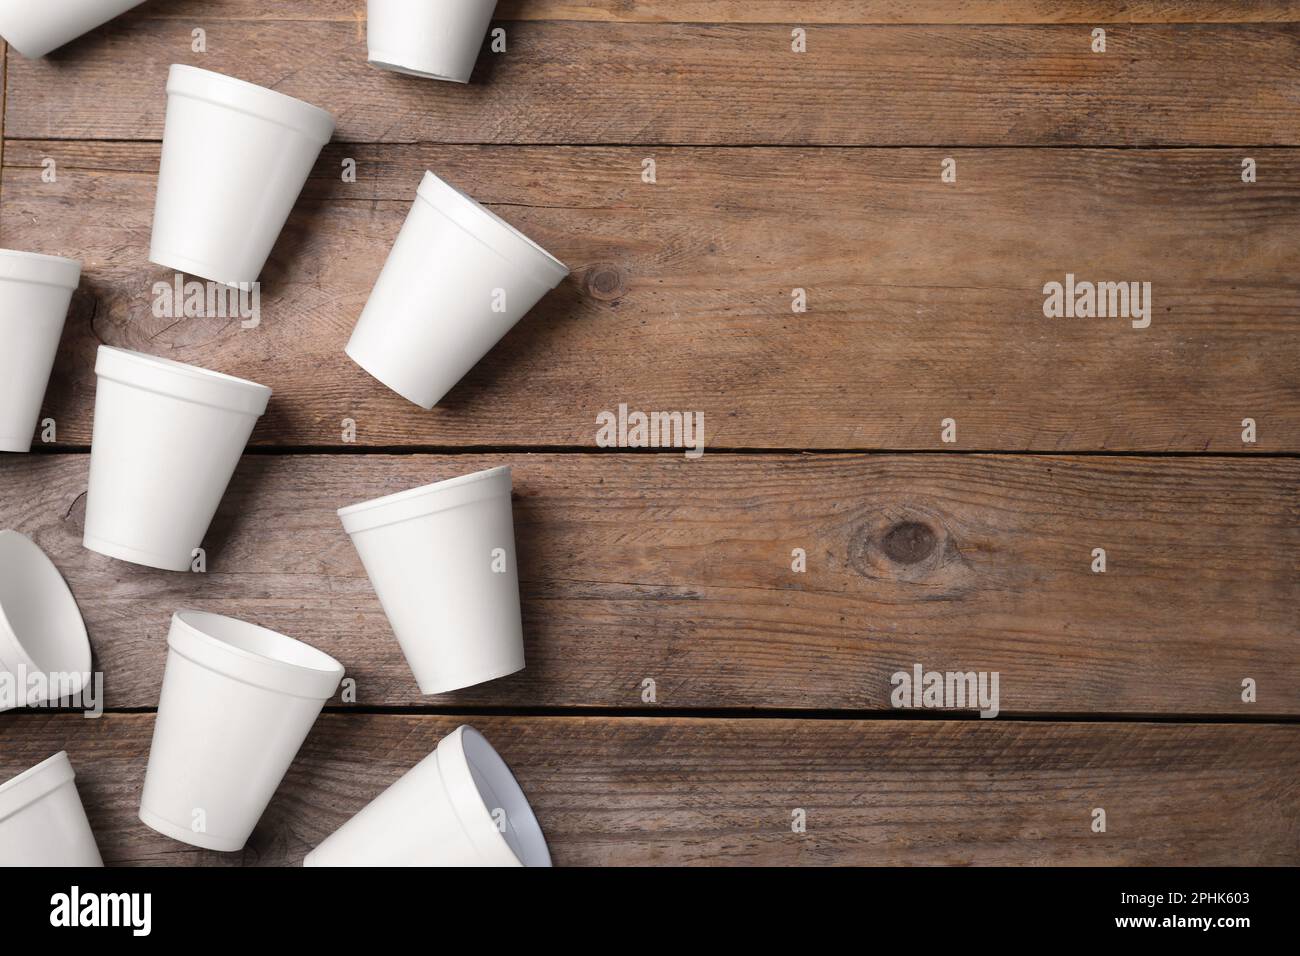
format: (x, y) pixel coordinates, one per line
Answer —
(42, 821)
(441, 559)
(167, 438)
(237, 702)
(458, 278)
(459, 806)
(41, 629)
(34, 294)
(235, 156)
(437, 40)
(35, 27)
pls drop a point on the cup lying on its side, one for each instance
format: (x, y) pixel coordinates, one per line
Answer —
(459, 806)
(235, 156)
(42, 821)
(441, 559)
(35, 27)
(458, 278)
(41, 630)
(237, 702)
(167, 438)
(34, 294)
(437, 40)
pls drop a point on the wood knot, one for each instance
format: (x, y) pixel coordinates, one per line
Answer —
(911, 546)
(909, 542)
(605, 282)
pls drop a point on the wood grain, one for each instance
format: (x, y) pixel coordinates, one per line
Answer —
(571, 82)
(925, 299)
(635, 791)
(652, 566)
(777, 11)
(925, 303)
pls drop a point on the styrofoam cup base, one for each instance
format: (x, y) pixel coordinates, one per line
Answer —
(37, 27)
(437, 40)
(219, 272)
(389, 61)
(459, 680)
(205, 841)
(123, 552)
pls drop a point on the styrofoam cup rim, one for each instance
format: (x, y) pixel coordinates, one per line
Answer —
(362, 516)
(300, 669)
(17, 265)
(473, 751)
(232, 93)
(498, 235)
(180, 380)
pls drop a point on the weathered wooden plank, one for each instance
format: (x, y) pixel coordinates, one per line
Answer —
(709, 84)
(633, 791)
(779, 11)
(900, 11)
(653, 566)
(4, 59)
(925, 299)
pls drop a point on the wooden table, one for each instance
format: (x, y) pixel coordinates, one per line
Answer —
(775, 171)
